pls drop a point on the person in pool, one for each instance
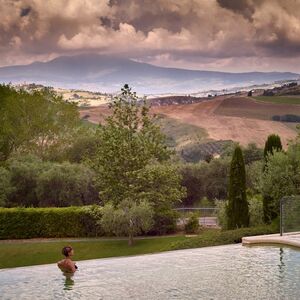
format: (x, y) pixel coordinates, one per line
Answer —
(67, 265)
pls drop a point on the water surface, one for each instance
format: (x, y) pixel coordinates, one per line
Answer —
(223, 272)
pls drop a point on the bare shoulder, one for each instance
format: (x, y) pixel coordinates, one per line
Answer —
(66, 265)
(61, 262)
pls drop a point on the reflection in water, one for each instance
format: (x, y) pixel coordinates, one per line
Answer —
(69, 282)
(281, 264)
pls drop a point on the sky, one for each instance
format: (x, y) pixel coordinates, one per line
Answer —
(223, 35)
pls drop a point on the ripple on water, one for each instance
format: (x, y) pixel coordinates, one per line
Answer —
(223, 272)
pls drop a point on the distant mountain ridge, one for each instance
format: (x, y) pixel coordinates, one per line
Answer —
(109, 73)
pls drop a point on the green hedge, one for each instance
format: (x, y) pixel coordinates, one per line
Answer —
(22, 223)
(219, 237)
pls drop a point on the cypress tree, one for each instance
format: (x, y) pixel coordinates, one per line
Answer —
(273, 143)
(237, 208)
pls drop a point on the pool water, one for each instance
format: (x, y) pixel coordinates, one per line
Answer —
(223, 272)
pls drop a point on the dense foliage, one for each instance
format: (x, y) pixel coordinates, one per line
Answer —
(129, 163)
(49, 158)
(39, 122)
(29, 181)
(127, 219)
(218, 237)
(237, 209)
(192, 225)
(273, 143)
(280, 178)
(21, 223)
(205, 180)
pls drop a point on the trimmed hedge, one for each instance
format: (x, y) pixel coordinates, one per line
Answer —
(23, 223)
(219, 237)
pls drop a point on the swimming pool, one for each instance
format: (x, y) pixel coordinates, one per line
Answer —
(222, 272)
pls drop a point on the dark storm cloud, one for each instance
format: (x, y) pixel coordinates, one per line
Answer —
(154, 14)
(161, 31)
(244, 7)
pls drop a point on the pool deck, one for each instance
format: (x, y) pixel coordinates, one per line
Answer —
(289, 239)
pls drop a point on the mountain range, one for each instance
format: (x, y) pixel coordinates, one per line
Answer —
(108, 74)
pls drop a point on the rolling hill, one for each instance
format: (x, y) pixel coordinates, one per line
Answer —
(223, 118)
(108, 74)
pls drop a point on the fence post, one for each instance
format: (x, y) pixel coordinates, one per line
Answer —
(281, 211)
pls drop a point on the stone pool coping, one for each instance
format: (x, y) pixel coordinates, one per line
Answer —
(288, 239)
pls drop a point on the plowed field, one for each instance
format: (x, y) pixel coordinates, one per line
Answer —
(238, 119)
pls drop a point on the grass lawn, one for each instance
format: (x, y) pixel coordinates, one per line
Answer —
(279, 99)
(27, 253)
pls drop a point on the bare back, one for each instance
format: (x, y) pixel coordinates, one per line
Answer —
(67, 265)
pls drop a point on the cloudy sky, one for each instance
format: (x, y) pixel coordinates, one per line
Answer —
(227, 35)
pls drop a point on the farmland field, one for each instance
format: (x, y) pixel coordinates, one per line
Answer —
(230, 118)
(246, 107)
(279, 99)
(240, 119)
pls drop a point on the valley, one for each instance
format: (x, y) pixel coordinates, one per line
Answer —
(240, 119)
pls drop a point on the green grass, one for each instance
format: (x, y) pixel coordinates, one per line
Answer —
(179, 133)
(279, 99)
(27, 253)
(17, 254)
(88, 124)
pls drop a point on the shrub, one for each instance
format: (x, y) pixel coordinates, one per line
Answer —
(273, 143)
(218, 237)
(192, 225)
(40, 183)
(128, 218)
(254, 172)
(205, 180)
(256, 211)
(66, 184)
(5, 186)
(24, 172)
(287, 118)
(222, 213)
(18, 223)
(165, 222)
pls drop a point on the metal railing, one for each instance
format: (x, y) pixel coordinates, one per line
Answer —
(207, 215)
(289, 214)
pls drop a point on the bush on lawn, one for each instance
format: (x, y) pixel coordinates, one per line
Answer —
(192, 225)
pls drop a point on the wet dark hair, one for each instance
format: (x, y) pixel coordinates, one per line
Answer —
(66, 250)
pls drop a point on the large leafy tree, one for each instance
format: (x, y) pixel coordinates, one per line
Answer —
(237, 209)
(280, 178)
(38, 122)
(273, 144)
(129, 142)
(129, 160)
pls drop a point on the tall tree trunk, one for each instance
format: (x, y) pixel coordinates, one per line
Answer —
(130, 240)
